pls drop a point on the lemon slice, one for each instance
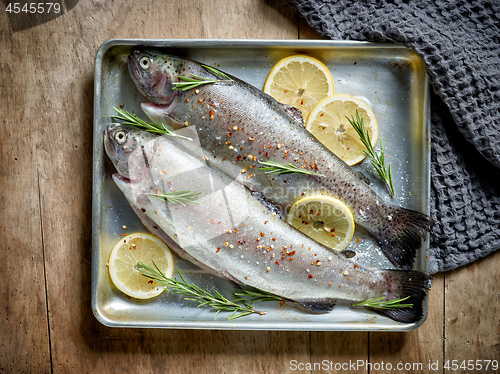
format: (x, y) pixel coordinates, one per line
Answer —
(300, 81)
(323, 218)
(327, 122)
(130, 251)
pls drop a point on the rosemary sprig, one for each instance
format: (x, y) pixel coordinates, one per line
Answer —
(254, 296)
(197, 294)
(273, 168)
(128, 118)
(380, 303)
(195, 81)
(377, 160)
(178, 197)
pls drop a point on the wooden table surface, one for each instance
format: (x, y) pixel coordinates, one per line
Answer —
(46, 321)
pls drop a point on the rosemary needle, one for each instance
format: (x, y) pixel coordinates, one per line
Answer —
(380, 303)
(178, 197)
(377, 160)
(272, 168)
(197, 294)
(188, 83)
(128, 118)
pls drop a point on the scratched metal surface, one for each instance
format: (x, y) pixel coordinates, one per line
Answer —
(391, 78)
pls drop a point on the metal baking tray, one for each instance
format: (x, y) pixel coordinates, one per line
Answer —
(390, 77)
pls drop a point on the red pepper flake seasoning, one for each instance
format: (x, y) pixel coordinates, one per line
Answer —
(292, 253)
(277, 263)
(250, 176)
(356, 266)
(238, 158)
(187, 100)
(266, 154)
(235, 229)
(229, 134)
(217, 251)
(262, 234)
(310, 276)
(330, 283)
(357, 240)
(274, 239)
(223, 159)
(267, 269)
(124, 234)
(213, 221)
(290, 259)
(265, 223)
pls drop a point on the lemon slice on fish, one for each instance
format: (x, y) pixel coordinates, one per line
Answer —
(323, 218)
(131, 250)
(327, 122)
(300, 81)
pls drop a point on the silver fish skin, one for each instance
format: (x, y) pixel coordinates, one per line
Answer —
(240, 126)
(231, 234)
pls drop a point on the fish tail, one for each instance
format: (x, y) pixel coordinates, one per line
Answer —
(409, 284)
(401, 239)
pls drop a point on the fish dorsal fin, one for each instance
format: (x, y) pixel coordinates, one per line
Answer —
(364, 178)
(266, 203)
(295, 114)
(317, 306)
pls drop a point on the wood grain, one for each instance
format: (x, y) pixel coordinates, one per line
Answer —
(46, 322)
(472, 314)
(24, 328)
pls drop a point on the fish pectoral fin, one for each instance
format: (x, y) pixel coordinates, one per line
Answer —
(266, 203)
(317, 306)
(364, 178)
(295, 114)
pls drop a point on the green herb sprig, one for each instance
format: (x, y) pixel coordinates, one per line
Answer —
(192, 292)
(380, 303)
(255, 296)
(377, 160)
(195, 81)
(128, 118)
(178, 197)
(273, 168)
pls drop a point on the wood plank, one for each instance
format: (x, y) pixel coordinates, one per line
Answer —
(24, 338)
(79, 342)
(412, 351)
(472, 314)
(335, 352)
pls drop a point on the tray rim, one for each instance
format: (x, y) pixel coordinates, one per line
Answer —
(232, 43)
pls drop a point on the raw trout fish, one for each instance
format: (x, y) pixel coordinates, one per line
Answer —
(240, 126)
(230, 233)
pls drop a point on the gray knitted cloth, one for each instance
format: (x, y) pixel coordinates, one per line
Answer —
(459, 42)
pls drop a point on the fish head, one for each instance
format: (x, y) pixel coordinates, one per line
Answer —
(129, 148)
(153, 74)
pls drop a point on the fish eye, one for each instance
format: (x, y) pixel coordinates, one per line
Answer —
(121, 136)
(145, 62)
